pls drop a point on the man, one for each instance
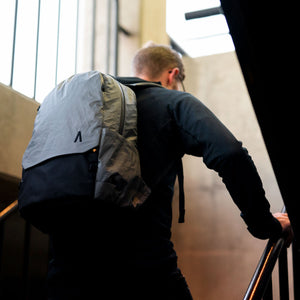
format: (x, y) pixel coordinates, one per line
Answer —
(109, 254)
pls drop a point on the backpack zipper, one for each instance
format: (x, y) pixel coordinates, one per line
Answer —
(123, 107)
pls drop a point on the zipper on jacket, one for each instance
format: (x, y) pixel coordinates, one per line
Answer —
(123, 106)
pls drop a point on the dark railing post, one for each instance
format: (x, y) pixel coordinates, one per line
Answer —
(268, 295)
(4, 214)
(283, 274)
(1, 242)
(296, 269)
(25, 275)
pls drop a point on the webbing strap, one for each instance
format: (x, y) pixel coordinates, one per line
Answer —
(181, 192)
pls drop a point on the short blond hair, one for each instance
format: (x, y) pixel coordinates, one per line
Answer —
(153, 59)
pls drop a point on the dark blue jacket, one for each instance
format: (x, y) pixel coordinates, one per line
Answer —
(171, 124)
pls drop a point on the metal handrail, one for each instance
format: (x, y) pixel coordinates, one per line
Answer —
(263, 272)
(10, 209)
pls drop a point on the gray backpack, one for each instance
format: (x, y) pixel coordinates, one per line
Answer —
(83, 148)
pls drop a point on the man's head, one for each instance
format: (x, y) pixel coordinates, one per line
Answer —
(159, 63)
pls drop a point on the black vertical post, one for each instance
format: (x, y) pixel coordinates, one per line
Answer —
(283, 274)
(268, 295)
(1, 242)
(26, 253)
(296, 269)
(1, 252)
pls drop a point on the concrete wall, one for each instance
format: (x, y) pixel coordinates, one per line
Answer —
(17, 113)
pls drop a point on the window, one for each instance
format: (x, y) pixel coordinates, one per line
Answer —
(204, 35)
(7, 12)
(43, 43)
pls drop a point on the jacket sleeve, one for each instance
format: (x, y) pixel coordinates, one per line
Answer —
(202, 134)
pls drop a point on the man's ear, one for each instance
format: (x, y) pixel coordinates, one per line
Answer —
(173, 73)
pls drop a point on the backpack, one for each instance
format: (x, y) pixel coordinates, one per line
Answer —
(83, 148)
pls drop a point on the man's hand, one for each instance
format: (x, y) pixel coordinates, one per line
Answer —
(287, 230)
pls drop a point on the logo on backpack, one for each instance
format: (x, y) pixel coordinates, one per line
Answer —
(78, 137)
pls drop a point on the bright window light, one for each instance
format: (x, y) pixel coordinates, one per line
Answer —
(7, 12)
(201, 36)
(67, 40)
(26, 35)
(46, 67)
(46, 43)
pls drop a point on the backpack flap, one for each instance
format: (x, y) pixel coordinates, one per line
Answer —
(68, 121)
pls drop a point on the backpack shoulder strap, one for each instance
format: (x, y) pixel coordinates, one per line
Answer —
(181, 192)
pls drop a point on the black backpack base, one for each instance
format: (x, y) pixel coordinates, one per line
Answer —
(55, 185)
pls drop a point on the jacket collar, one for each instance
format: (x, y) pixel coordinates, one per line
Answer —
(130, 80)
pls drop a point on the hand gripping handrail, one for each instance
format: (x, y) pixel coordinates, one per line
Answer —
(263, 271)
